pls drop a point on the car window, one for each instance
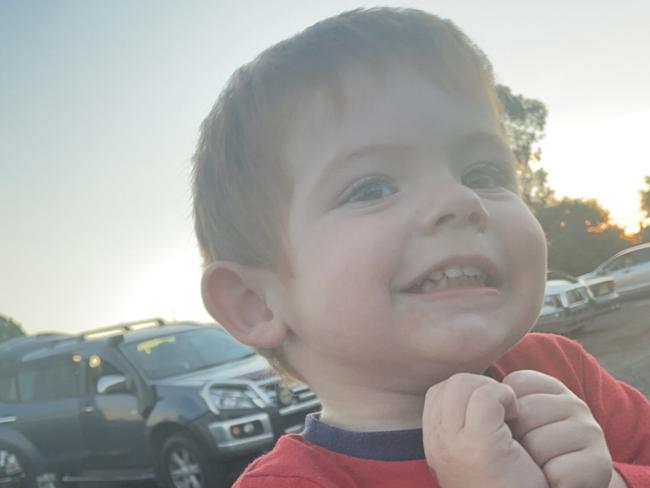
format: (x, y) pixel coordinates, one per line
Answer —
(98, 367)
(643, 256)
(175, 354)
(54, 378)
(8, 388)
(621, 262)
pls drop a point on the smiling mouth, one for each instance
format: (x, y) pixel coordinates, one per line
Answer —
(453, 278)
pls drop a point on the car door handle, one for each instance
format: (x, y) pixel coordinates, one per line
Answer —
(8, 420)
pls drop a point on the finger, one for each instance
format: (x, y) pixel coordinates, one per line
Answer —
(559, 438)
(527, 382)
(457, 393)
(432, 413)
(489, 407)
(592, 468)
(541, 409)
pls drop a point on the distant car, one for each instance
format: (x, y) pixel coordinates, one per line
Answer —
(571, 303)
(183, 403)
(602, 290)
(629, 268)
(567, 307)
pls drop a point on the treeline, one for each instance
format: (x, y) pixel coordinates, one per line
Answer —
(579, 232)
(9, 329)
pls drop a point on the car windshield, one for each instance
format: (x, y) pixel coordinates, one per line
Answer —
(184, 352)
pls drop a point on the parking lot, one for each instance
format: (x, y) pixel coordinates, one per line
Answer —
(621, 342)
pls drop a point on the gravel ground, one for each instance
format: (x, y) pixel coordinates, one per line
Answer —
(621, 342)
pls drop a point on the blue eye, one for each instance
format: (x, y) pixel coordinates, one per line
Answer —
(490, 177)
(369, 189)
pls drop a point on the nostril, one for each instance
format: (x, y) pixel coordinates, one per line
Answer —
(444, 219)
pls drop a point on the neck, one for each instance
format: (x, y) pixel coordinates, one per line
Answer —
(366, 410)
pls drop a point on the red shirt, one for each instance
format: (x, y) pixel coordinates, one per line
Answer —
(327, 457)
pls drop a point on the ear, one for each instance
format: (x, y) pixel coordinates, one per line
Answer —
(237, 297)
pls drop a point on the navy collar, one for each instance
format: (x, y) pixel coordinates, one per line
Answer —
(392, 445)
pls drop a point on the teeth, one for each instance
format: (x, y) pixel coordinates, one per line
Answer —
(458, 272)
(453, 271)
(453, 276)
(472, 271)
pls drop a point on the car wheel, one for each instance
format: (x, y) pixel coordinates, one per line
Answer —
(15, 473)
(46, 480)
(12, 469)
(183, 464)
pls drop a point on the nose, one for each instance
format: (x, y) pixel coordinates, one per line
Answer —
(454, 205)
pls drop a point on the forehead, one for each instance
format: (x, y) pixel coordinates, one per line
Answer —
(396, 108)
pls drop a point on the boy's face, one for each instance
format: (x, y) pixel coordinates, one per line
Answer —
(401, 180)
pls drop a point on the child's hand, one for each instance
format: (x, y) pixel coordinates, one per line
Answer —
(559, 432)
(466, 439)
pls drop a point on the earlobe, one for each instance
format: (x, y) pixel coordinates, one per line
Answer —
(235, 296)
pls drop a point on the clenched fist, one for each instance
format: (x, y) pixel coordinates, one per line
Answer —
(559, 432)
(528, 431)
(467, 440)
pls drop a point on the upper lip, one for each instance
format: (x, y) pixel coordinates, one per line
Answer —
(477, 260)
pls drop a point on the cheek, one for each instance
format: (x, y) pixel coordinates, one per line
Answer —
(526, 247)
(349, 266)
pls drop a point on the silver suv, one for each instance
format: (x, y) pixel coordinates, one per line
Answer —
(630, 269)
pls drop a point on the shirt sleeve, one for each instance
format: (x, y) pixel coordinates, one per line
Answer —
(624, 415)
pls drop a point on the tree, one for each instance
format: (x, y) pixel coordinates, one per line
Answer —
(579, 235)
(645, 198)
(524, 120)
(9, 329)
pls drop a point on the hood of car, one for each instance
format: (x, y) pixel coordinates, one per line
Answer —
(250, 368)
(554, 287)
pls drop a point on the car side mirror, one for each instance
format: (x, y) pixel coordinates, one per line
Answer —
(112, 383)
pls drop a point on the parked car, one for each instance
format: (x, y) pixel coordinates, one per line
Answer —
(602, 291)
(182, 403)
(630, 269)
(571, 303)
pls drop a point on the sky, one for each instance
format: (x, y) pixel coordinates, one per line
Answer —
(100, 106)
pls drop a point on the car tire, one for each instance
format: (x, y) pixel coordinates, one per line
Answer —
(12, 466)
(184, 464)
(16, 464)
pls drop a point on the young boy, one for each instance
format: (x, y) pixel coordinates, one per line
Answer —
(357, 209)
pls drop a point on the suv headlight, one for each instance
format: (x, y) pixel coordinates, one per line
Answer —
(222, 398)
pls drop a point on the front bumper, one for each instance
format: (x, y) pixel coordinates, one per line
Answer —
(257, 431)
(564, 321)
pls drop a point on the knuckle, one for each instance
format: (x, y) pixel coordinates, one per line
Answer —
(559, 472)
(532, 444)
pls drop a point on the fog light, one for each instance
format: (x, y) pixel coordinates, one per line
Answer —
(246, 430)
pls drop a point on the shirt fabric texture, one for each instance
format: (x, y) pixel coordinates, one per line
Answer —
(327, 457)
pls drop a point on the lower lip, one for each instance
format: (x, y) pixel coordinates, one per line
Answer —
(463, 293)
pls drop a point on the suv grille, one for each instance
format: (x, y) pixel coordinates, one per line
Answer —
(301, 394)
(577, 296)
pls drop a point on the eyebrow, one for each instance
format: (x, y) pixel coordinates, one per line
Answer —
(477, 138)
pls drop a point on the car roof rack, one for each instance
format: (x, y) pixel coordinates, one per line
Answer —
(120, 329)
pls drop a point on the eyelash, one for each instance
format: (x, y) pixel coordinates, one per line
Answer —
(351, 196)
(503, 177)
